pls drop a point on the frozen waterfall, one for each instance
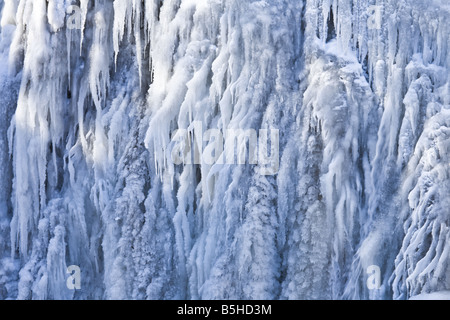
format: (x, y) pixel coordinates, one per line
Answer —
(224, 149)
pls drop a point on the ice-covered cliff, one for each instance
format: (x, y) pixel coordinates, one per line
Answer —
(350, 102)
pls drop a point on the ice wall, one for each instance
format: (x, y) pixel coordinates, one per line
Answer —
(94, 91)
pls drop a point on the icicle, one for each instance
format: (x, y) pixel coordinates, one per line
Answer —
(84, 4)
(121, 16)
(363, 122)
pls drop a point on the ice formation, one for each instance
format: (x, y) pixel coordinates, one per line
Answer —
(93, 93)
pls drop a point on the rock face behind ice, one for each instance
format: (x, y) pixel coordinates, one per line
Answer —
(349, 199)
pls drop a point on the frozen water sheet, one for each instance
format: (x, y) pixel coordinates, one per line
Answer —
(93, 94)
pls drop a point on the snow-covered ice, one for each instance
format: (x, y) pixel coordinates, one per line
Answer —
(93, 93)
